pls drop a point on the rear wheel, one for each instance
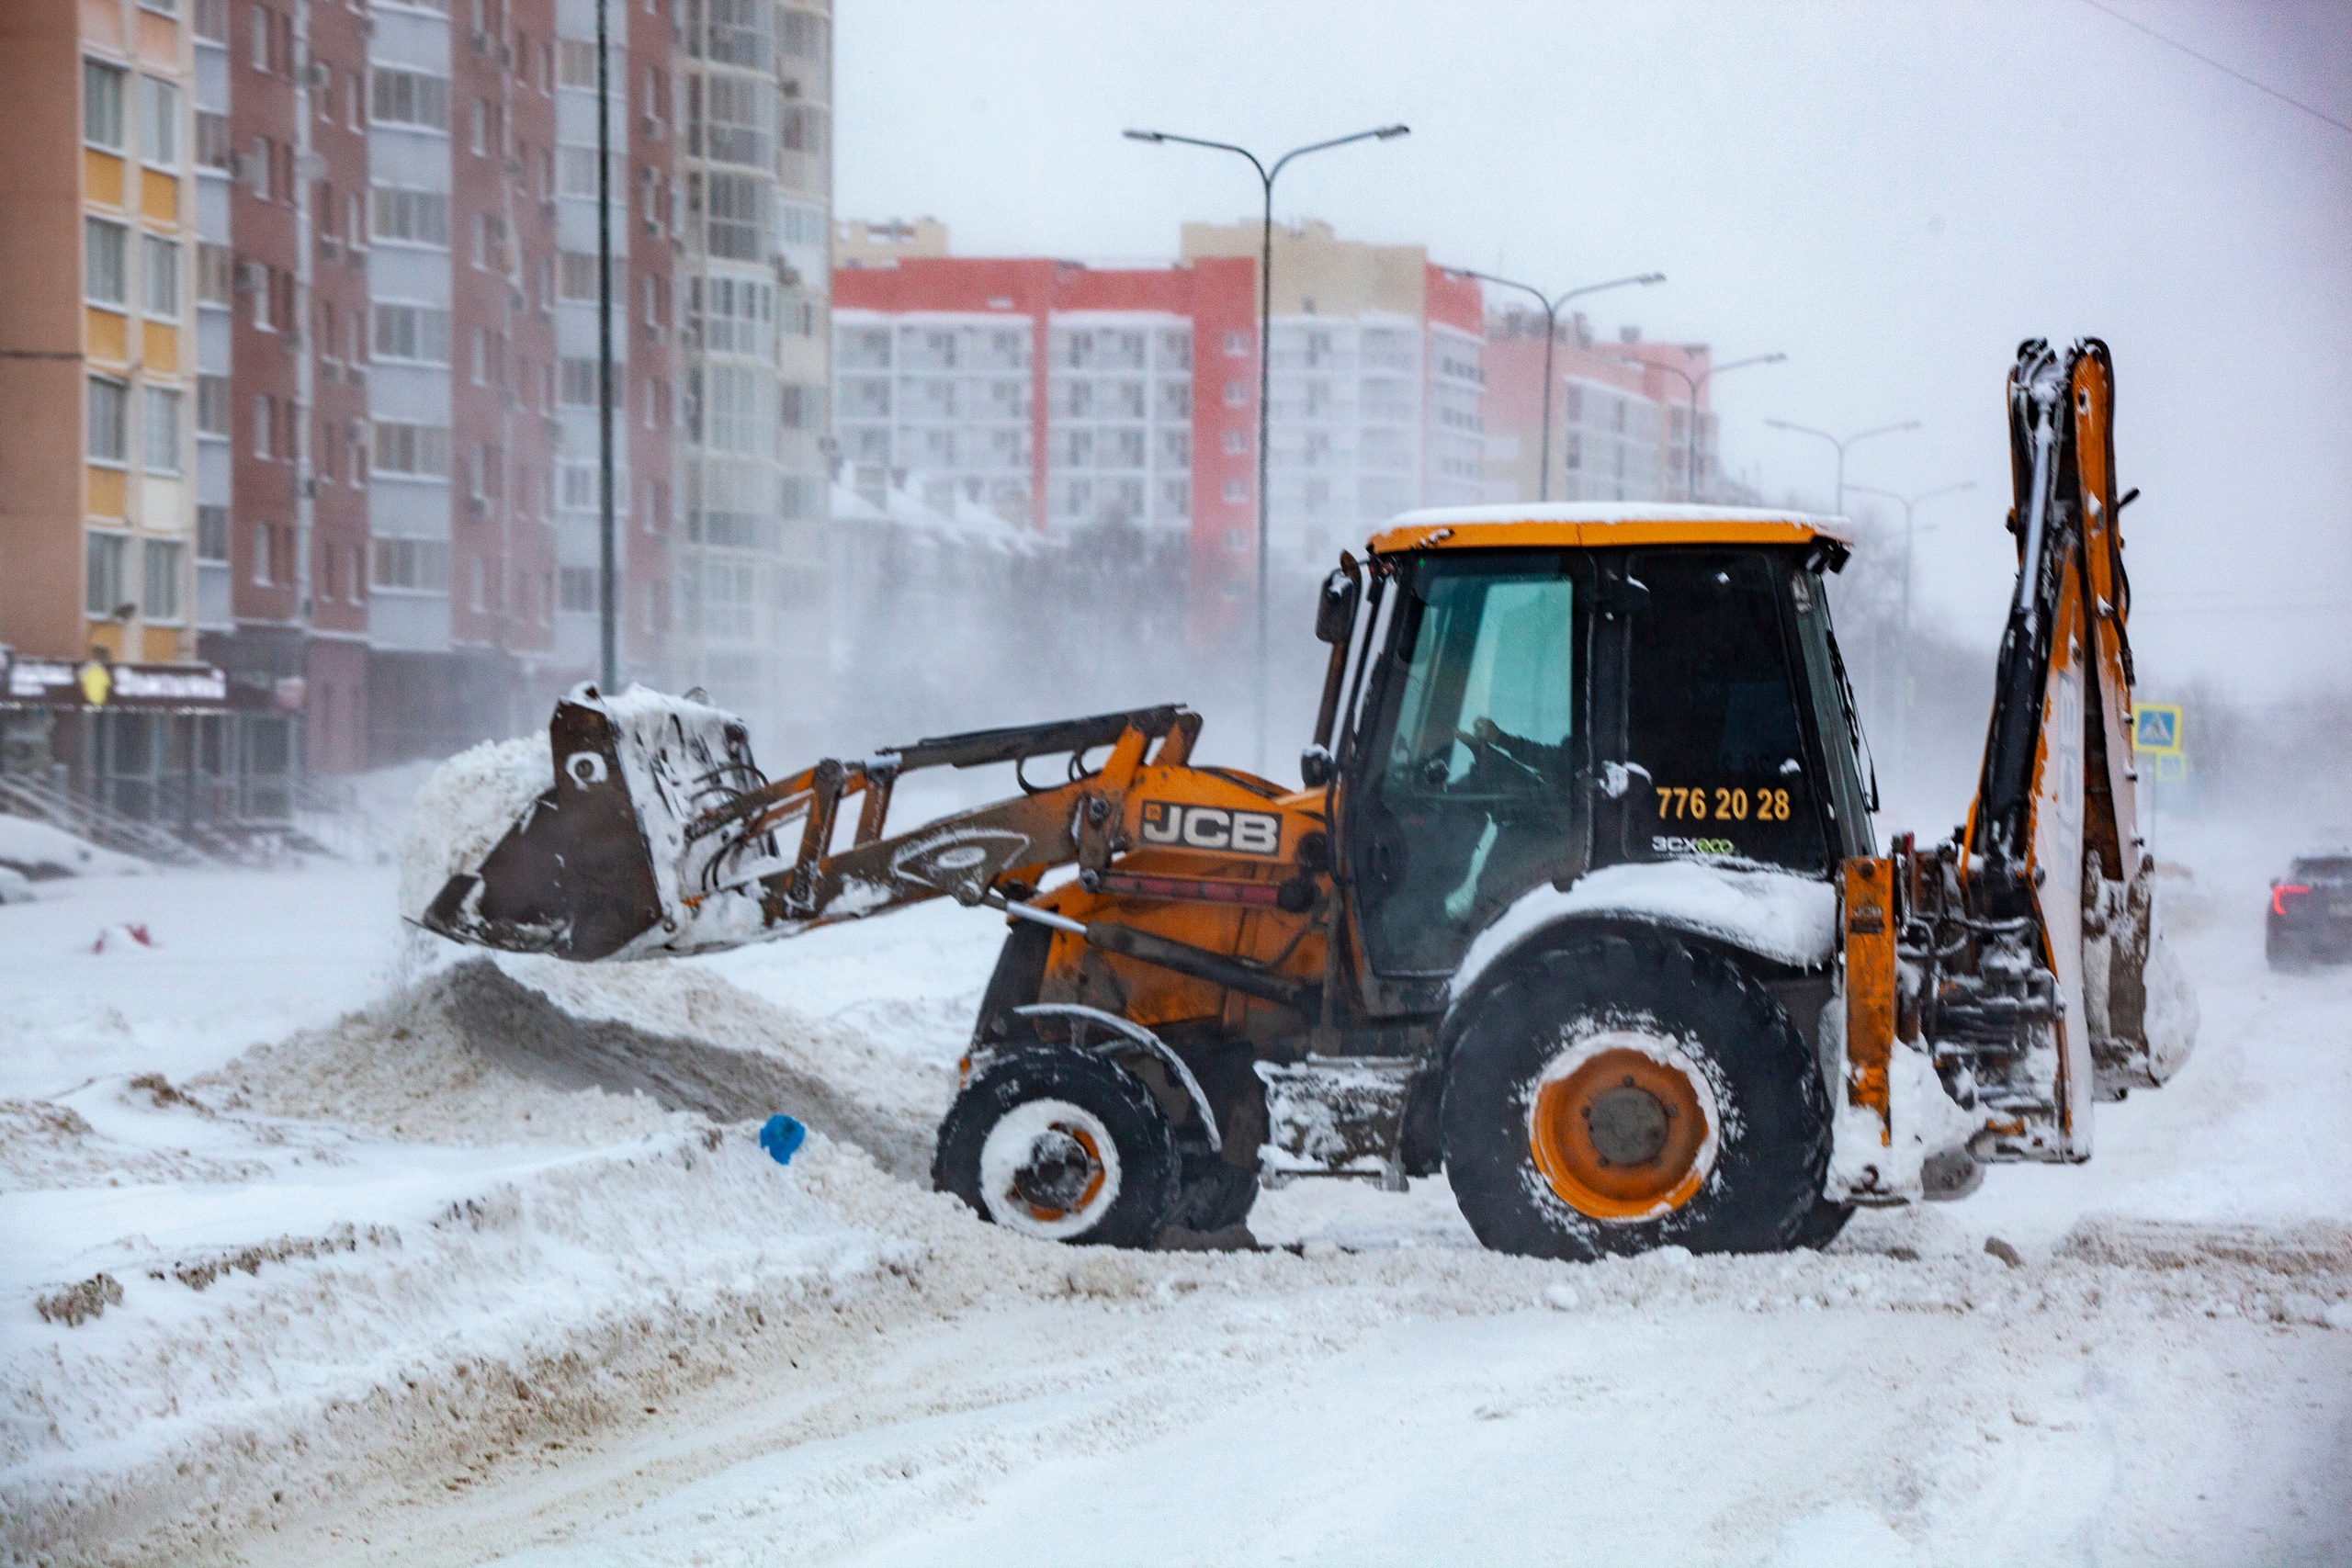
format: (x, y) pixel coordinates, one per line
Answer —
(1608, 1094)
(1061, 1145)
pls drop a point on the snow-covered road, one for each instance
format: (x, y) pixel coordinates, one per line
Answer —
(402, 1286)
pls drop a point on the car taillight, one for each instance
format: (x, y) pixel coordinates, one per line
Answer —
(2281, 893)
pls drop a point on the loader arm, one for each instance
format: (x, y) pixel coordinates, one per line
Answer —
(658, 834)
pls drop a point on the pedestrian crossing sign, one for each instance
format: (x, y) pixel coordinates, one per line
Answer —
(2155, 729)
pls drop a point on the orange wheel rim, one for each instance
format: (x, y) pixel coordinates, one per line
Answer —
(1620, 1134)
(1095, 1179)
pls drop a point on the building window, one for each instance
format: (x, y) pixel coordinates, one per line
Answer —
(477, 599)
(579, 275)
(419, 564)
(103, 245)
(265, 423)
(102, 106)
(415, 449)
(161, 269)
(261, 555)
(735, 215)
(1236, 443)
(213, 148)
(1236, 492)
(412, 216)
(162, 420)
(159, 122)
(216, 275)
(407, 97)
(106, 559)
(579, 486)
(213, 20)
(1237, 394)
(490, 242)
(577, 64)
(159, 581)
(109, 420)
(212, 533)
(576, 589)
(419, 333)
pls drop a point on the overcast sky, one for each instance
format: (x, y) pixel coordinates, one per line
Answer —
(1893, 195)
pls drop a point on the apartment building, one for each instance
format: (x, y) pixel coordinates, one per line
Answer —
(1053, 394)
(280, 363)
(1060, 394)
(99, 669)
(1623, 415)
(1377, 380)
(748, 199)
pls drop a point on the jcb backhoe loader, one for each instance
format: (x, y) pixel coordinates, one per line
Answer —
(1580, 902)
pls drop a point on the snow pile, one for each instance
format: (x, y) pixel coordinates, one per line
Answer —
(39, 852)
(220, 1387)
(1788, 918)
(464, 809)
(478, 1052)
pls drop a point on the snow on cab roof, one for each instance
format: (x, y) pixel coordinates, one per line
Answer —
(1600, 522)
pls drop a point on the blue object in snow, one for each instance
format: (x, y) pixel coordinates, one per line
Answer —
(782, 1137)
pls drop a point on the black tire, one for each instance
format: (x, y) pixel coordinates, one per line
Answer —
(1149, 1170)
(1215, 1196)
(1773, 1137)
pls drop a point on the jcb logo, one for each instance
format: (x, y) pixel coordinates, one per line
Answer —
(1212, 828)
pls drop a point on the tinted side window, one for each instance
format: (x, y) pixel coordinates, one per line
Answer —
(1713, 713)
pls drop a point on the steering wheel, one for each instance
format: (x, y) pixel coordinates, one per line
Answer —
(1485, 737)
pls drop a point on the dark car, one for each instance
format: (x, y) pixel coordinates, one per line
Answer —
(2310, 912)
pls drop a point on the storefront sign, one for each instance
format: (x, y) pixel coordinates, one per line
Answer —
(98, 683)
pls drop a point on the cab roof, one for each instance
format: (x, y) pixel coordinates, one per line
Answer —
(1603, 523)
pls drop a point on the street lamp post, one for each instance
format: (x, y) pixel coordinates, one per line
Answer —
(1550, 334)
(1841, 445)
(1266, 176)
(1691, 447)
(1903, 634)
(607, 551)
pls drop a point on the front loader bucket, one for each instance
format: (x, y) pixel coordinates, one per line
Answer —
(597, 860)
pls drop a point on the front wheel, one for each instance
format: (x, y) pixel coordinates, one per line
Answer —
(1610, 1094)
(1062, 1144)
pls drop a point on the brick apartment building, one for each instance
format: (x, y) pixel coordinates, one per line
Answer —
(301, 366)
(1622, 417)
(1060, 395)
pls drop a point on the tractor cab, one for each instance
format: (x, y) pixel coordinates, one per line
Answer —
(1521, 695)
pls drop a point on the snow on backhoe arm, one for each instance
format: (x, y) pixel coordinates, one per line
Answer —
(2023, 952)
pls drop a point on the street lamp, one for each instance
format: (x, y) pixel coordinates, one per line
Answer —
(1690, 448)
(1266, 176)
(1551, 331)
(1903, 644)
(1841, 445)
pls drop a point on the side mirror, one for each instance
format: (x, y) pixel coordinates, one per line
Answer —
(1335, 609)
(1315, 767)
